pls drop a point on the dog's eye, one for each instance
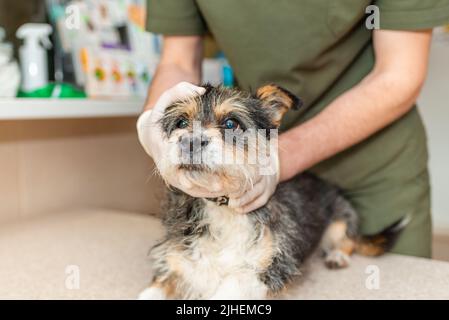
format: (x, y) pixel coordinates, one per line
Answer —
(231, 124)
(182, 123)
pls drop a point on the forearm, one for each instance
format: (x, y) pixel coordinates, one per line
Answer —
(167, 76)
(181, 60)
(386, 94)
(373, 104)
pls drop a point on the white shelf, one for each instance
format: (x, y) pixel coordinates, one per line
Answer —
(28, 109)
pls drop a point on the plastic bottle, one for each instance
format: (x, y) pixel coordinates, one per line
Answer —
(33, 55)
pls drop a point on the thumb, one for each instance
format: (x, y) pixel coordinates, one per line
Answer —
(143, 125)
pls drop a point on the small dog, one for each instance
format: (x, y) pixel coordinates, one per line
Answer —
(212, 252)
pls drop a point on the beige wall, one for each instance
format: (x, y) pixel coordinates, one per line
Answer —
(434, 107)
(53, 165)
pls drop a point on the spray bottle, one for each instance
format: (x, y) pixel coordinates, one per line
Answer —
(33, 55)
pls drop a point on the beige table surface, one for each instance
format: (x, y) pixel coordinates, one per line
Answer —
(41, 257)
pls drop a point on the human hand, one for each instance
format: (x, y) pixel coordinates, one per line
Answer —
(149, 132)
(258, 194)
(152, 140)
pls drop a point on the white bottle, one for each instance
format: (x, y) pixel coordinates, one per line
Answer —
(33, 55)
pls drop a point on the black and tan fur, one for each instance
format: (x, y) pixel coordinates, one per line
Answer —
(212, 252)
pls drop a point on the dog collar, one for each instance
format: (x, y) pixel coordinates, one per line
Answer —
(219, 201)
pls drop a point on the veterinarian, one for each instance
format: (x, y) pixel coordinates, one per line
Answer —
(360, 127)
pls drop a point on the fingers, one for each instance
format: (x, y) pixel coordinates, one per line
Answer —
(239, 192)
(214, 191)
(256, 204)
(183, 89)
(216, 186)
(256, 197)
(180, 91)
(249, 196)
(191, 187)
(184, 182)
(203, 192)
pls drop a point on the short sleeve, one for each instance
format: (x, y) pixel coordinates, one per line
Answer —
(175, 17)
(412, 14)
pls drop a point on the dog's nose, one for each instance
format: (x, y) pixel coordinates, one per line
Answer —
(193, 144)
(204, 141)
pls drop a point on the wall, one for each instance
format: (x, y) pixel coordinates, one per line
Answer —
(52, 165)
(14, 13)
(434, 107)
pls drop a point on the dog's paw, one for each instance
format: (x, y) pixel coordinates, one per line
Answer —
(336, 259)
(152, 293)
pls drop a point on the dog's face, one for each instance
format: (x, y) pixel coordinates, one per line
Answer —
(223, 134)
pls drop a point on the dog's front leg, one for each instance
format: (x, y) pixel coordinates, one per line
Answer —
(160, 290)
(240, 287)
(152, 293)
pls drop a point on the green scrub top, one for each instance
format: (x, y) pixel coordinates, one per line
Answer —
(319, 49)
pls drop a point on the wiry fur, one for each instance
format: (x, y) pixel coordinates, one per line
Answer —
(212, 252)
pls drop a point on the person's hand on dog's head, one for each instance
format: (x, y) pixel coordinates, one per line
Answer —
(244, 198)
(152, 140)
(150, 134)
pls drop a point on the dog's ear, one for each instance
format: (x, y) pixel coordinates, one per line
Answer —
(278, 101)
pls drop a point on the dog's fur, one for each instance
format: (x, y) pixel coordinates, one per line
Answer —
(212, 252)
